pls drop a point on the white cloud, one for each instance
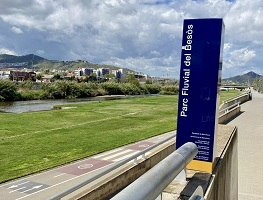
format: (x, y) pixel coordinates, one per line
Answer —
(244, 21)
(240, 60)
(143, 34)
(7, 51)
(242, 55)
(16, 30)
(40, 52)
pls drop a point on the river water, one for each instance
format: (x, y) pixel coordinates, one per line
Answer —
(39, 105)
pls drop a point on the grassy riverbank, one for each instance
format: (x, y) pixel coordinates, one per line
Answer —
(224, 95)
(38, 140)
(30, 142)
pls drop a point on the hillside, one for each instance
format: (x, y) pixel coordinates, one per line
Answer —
(69, 65)
(35, 62)
(244, 79)
(5, 58)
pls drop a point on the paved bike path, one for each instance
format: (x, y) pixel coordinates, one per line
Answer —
(250, 148)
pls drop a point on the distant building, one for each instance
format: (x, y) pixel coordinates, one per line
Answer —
(124, 72)
(4, 75)
(120, 73)
(47, 78)
(97, 72)
(14, 65)
(23, 75)
(78, 72)
(104, 71)
(87, 71)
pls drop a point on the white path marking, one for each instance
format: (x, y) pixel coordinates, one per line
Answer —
(118, 154)
(16, 185)
(59, 175)
(123, 157)
(17, 189)
(99, 156)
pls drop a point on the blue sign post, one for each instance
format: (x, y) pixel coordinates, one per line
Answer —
(200, 79)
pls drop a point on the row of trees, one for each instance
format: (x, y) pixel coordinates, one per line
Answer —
(258, 84)
(28, 90)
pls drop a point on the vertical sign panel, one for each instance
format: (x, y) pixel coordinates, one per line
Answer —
(200, 79)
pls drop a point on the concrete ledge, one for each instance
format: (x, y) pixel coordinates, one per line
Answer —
(222, 183)
(226, 117)
(242, 99)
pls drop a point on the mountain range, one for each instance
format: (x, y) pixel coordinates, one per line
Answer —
(246, 79)
(35, 62)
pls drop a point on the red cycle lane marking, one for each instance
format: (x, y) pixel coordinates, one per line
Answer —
(84, 166)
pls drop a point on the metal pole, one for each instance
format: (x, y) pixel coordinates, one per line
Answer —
(153, 182)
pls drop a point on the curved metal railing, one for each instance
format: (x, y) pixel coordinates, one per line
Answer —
(151, 184)
(226, 110)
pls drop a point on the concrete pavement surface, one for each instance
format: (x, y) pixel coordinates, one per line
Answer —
(49, 183)
(250, 148)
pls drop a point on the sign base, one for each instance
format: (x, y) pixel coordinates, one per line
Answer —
(200, 166)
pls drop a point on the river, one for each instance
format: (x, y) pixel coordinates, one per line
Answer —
(39, 105)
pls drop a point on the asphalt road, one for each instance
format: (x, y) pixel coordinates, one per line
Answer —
(250, 148)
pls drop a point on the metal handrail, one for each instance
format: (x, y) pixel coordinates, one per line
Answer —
(225, 110)
(227, 100)
(111, 168)
(151, 184)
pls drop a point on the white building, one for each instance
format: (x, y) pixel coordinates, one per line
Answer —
(4, 75)
(78, 72)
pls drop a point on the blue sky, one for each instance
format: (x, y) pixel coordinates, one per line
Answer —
(143, 35)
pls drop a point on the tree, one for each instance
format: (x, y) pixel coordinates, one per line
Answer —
(11, 77)
(130, 78)
(149, 81)
(57, 77)
(257, 83)
(92, 77)
(39, 76)
(8, 90)
(109, 76)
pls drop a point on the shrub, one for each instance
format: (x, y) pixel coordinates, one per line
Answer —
(8, 90)
(64, 89)
(169, 90)
(85, 90)
(130, 89)
(153, 89)
(26, 85)
(33, 94)
(111, 88)
(99, 92)
(144, 89)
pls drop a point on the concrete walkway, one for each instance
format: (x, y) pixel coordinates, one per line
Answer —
(250, 148)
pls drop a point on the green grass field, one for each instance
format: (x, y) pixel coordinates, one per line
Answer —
(228, 94)
(35, 141)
